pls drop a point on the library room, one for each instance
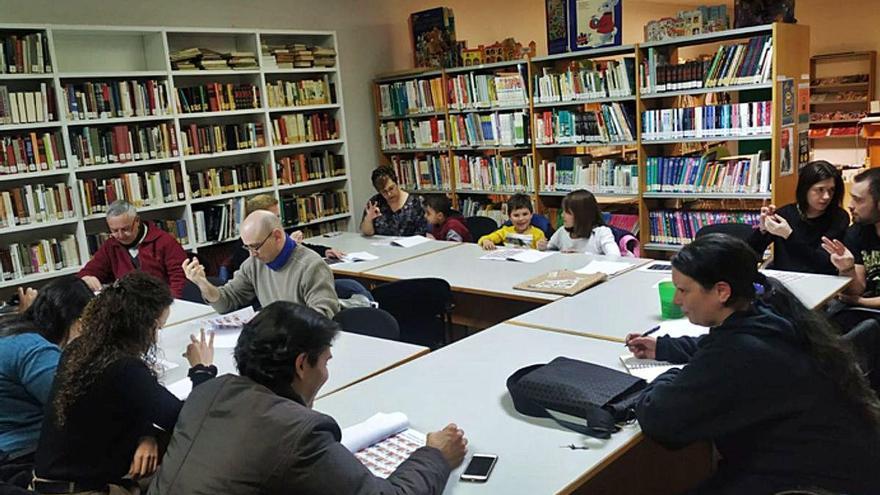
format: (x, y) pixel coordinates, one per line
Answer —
(519, 247)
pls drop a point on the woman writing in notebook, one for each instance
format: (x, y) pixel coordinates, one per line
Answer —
(583, 230)
(796, 230)
(771, 384)
(393, 211)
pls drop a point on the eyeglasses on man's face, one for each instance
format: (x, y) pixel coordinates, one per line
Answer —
(127, 230)
(254, 248)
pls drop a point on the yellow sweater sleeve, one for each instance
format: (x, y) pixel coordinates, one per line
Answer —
(537, 235)
(496, 237)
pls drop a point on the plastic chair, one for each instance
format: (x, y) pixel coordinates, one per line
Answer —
(369, 321)
(346, 287)
(865, 341)
(627, 242)
(422, 307)
(741, 231)
(480, 226)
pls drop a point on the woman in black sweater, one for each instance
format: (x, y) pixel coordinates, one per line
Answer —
(771, 384)
(796, 230)
(99, 423)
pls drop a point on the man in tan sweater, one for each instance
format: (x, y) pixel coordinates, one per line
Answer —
(277, 270)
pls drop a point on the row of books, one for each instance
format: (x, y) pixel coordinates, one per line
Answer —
(101, 100)
(495, 129)
(737, 174)
(495, 173)
(737, 119)
(25, 54)
(304, 128)
(176, 228)
(734, 64)
(412, 133)
(206, 139)
(27, 107)
(472, 207)
(423, 173)
(296, 55)
(571, 172)
(218, 97)
(586, 80)
(837, 115)
(680, 227)
(304, 167)
(612, 122)
(470, 90)
(141, 189)
(839, 96)
(237, 178)
(322, 228)
(402, 98)
(122, 143)
(31, 152)
(197, 58)
(218, 222)
(299, 93)
(301, 209)
(36, 203)
(841, 131)
(21, 259)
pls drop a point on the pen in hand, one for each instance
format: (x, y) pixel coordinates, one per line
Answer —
(649, 332)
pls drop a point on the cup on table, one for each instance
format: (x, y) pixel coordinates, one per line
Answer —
(668, 309)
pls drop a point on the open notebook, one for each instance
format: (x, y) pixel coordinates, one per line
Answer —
(514, 254)
(646, 369)
(383, 442)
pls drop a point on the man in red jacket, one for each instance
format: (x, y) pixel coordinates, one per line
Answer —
(135, 245)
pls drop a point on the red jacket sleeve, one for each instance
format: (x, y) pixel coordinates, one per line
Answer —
(173, 255)
(99, 266)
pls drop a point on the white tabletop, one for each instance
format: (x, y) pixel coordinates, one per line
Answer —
(631, 303)
(379, 245)
(182, 311)
(465, 384)
(462, 267)
(355, 357)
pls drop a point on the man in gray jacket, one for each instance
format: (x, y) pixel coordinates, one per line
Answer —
(257, 434)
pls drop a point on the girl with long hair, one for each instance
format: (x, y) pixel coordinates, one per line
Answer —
(583, 230)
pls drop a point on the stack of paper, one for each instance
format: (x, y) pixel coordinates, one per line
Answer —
(383, 442)
(410, 241)
(607, 267)
(522, 255)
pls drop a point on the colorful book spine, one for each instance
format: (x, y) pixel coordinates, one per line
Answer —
(680, 227)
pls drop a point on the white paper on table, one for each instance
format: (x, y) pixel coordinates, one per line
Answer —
(374, 429)
(165, 365)
(646, 369)
(226, 339)
(359, 256)
(230, 321)
(600, 266)
(413, 240)
(521, 255)
(681, 328)
(180, 388)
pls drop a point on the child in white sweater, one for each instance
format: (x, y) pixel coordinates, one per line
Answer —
(583, 230)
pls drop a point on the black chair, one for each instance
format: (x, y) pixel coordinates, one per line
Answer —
(741, 231)
(422, 308)
(480, 226)
(369, 321)
(865, 341)
(192, 293)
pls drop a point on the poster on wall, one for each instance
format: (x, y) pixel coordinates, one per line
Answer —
(787, 154)
(788, 101)
(595, 23)
(803, 102)
(557, 26)
(803, 147)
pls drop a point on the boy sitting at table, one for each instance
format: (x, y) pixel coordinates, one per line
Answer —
(446, 224)
(521, 233)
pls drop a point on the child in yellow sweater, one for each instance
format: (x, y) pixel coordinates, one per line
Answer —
(522, 233)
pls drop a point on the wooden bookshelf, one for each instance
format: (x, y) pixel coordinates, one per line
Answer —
(111, 54)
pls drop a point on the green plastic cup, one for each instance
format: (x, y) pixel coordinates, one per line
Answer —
(668, 309)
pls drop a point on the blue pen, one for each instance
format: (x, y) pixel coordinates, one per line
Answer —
(649, 332)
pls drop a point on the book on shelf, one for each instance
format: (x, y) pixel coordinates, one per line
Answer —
(412, 133)
(495, 173)
(303, 167)
(586, 80)
(321, 228)
(842, 131)
(304, 128)
(495, 129)
(141, 189)
(298, 55)
(218, 97)
(612, 122)
(101, 100)
(240, 60)
(36, 203)
(176, 228)
(383, 442)
(402, 98)
(235, 178)
(625, 221)
(741, 63)
(734, 174)
(218, 222)
(425, 173)
(712, 121)
(837, 116)
(471, 207)
(858, 96)
(21, 259)
(122, 143)
(680, 227)
(571, 172)
(207, 139)
(197, 58)
(301, 209)
(31, 152)
(27, 107)
(299, 93)
(473, 91)
(25, 54)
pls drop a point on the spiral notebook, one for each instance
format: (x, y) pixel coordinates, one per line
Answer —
(646, 369)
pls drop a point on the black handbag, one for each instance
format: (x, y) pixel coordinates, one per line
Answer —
(601, 396)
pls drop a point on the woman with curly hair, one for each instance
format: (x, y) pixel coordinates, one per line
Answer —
(106, 399)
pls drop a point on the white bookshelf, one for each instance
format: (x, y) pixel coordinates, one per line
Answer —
(84, 53)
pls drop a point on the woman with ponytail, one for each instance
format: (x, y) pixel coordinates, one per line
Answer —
(99, 423)
(771, 384)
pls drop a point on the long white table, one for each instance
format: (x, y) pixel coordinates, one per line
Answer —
(465, 383)
(631, 303)
(380, 246)
(182, 311)
(355, 357)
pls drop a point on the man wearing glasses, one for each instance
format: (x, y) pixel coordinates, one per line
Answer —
(135, 245)
(277, 270)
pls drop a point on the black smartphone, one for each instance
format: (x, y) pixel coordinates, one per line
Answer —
(479, 468)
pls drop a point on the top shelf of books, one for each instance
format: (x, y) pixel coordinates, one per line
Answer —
(715, 37)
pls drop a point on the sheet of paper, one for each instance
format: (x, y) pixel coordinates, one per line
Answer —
(501, 254)
(374, 429)
(600, 266)
(385, 457)
(359, 256)
(680, 328)
(180, 388)
(226, 339)
(229, 321)
(531, 255)
(646, 369)
(410, 241)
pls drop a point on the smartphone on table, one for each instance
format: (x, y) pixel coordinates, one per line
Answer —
(479, 467)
